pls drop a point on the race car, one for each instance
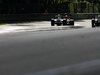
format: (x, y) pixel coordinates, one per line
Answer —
(67, 20)
(59, 20)
(96, 21)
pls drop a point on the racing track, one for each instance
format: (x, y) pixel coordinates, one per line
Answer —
(30, 53)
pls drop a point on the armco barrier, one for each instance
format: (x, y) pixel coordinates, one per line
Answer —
(10, 18)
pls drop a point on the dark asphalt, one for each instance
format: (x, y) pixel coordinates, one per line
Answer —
(31, 52)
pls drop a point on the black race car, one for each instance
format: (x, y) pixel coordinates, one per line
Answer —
(96, 21)
(59, 20)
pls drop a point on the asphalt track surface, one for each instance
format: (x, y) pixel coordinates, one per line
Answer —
(30, 53)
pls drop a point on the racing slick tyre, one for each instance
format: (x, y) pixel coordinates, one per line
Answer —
(93, 23)
(52, 22)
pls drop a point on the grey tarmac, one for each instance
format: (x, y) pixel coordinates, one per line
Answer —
(28, 53)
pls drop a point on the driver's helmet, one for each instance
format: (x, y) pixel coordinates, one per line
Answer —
(65, 16)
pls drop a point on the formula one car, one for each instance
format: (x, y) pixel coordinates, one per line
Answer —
(96, 21)
(59, 20)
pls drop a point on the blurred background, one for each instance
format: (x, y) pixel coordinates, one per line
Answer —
(30, 10)
(49, 6)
